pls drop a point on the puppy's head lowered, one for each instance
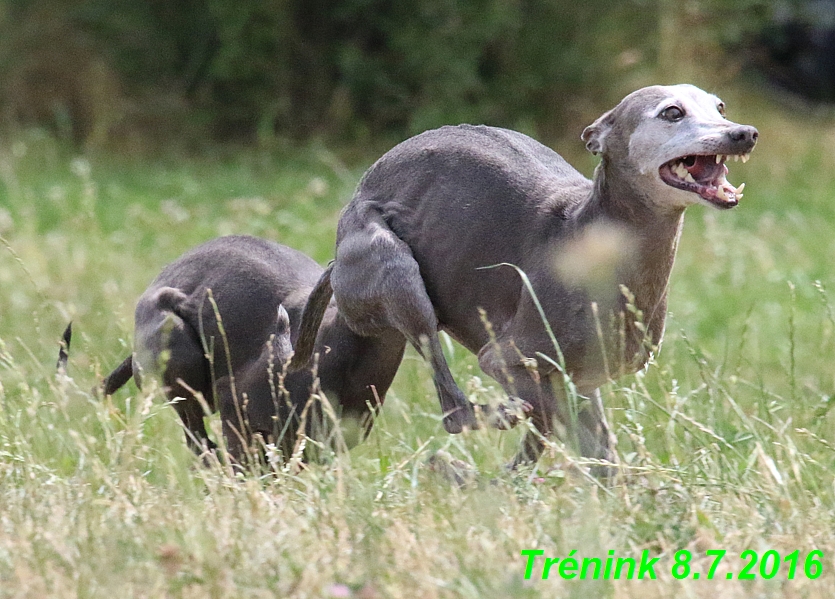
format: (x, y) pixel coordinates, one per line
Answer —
(675, 141)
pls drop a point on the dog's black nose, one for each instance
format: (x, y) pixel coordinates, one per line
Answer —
(744, 135)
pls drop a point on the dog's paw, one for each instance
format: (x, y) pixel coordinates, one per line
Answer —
(506, 415)
(460, 419)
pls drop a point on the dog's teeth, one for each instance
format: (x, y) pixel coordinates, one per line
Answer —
(689, 178)
(720, 193)
(718, 158)
(745, 158)
(736, 157)
(739, 190)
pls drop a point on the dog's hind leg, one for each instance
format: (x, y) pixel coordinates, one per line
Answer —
(186, 373)
(169, 345)
(378, 287)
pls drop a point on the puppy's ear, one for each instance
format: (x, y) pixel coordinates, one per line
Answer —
(595, 134)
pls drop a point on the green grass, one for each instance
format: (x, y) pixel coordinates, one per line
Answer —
(727, 439)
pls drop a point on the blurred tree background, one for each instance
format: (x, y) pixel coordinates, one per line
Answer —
(133, 74)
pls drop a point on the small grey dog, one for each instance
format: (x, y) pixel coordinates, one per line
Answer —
(219, 321)
(418, 245)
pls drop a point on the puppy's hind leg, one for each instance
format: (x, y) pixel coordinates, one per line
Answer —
(377, 285)
(167, 343)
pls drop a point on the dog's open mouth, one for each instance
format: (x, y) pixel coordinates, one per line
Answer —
(704, 175)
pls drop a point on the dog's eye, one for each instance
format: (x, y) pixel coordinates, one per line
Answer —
(672, 113)
(721, 108)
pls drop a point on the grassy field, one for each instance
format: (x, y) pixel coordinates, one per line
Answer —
(726, 440)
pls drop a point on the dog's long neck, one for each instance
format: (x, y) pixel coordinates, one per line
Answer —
(653, 240)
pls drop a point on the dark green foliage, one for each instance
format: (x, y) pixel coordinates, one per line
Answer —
(243, 70)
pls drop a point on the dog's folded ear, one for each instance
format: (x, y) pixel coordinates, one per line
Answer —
(595, 134)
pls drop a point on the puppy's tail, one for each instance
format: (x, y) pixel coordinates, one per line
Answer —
(314, 312)
(116, 379)
(64, 349)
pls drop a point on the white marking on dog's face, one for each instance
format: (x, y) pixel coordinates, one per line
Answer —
(681, 141)
(657, 139)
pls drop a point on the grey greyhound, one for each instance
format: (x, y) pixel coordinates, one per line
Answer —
(258, 288)
(415, 245)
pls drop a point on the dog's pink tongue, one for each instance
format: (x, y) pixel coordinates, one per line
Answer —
(704, 168)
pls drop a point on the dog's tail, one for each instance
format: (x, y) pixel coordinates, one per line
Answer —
(112, 382)
(314, 312)
(64, 349)
(116, 379)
